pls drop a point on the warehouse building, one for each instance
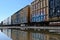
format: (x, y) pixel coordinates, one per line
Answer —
(21, 17)
(39, 13)
(33, 35)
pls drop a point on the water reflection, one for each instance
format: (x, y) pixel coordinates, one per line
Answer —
(4, 37)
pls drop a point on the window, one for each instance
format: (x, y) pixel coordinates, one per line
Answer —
(41, 4)
(58, 11)
(46, 2)
(38, 36)
(38, 5)
(51, 3)
(57, 3)
(42, 11)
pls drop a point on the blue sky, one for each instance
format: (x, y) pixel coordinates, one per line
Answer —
(9, 7)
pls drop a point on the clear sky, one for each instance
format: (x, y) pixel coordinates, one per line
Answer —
(9, 7)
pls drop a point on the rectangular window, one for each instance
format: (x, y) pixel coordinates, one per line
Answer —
(41, 4)
(52, 3)
(44, 3)
(38, 36)
(42, 11)
(46, 11)
(47, 2)
(39, 12)
(38, 5)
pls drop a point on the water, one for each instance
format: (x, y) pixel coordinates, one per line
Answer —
(4, 37)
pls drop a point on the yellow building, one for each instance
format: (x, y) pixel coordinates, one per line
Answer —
(39, 8)
(33, 35)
